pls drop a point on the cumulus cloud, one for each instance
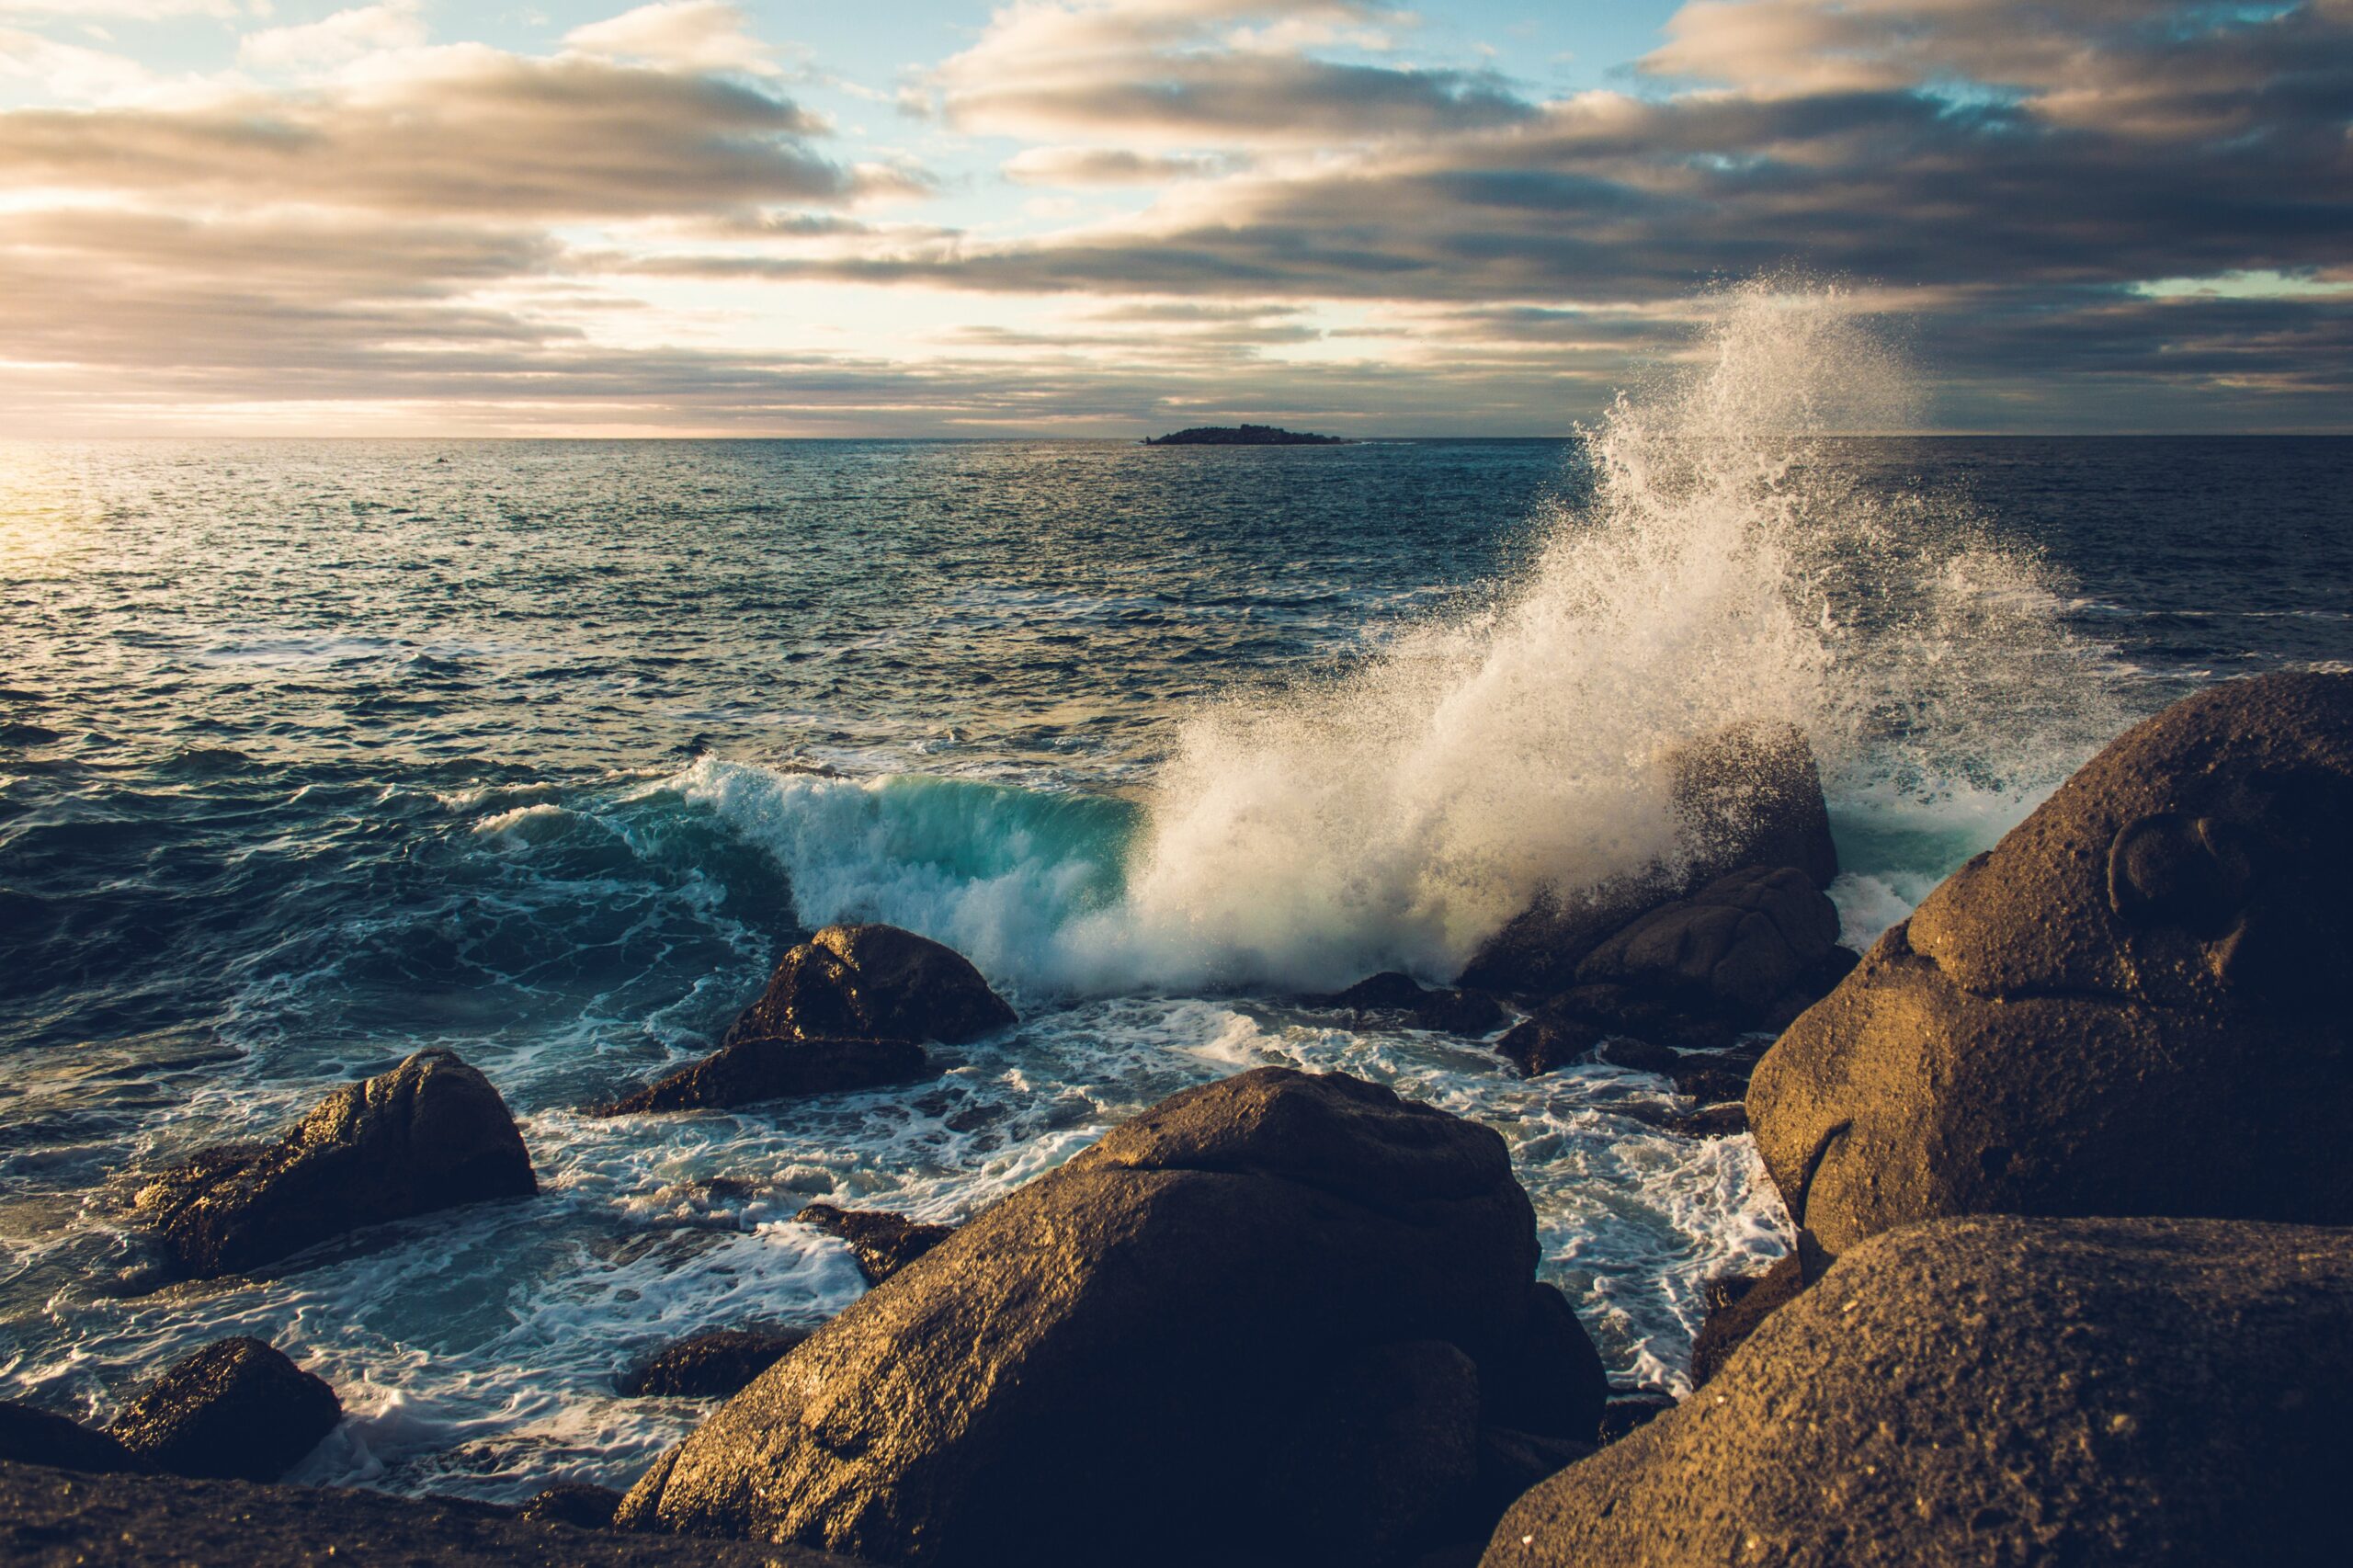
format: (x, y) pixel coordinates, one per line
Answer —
(696, 35)
(337, 40)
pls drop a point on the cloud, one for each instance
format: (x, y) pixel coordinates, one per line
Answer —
(1107, 166)
(336, 39)
(462, 130)
(693, 35)
(1192, 72)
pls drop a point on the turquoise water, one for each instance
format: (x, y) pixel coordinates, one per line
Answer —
(317, 754)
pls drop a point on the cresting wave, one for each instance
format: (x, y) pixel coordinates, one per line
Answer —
(1726, 568)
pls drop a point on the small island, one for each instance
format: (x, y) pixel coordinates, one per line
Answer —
(1244, 435)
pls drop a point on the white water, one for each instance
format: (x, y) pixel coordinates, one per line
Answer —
(1725, 570)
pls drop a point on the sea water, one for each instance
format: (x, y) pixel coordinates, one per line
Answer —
(313, 755)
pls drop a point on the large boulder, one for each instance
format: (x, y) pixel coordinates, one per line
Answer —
(2132, 1006)
(1748, 795)
(1999, 1390)
(749, 1069)
(429, 1134)
(876, 982)
(1139, 1354)
(235, 1410)
(710, 1365)
(1737, 949)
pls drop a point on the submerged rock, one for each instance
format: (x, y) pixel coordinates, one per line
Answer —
(1998, 1389)
(37, 1437)
(883, 1244)
(1749, 796)
(2132, 1006)
(1123, 1357)
(747, 1071)
(1446, 1012)
(710, 1365)
(237, 1409)
(430, 1134)
(873, 982)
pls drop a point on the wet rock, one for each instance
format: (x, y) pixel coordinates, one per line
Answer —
(430, 1134)
(1736, 1305)
(1140, 1336)
(574, 1503)
(1547, 1040)
(237, 1409)
(1627, 1412)
(37, 1437)
(2132, 1006)
(710, 1365)
(874, 982)
(1998, 1389)
(1731, 949)
(1446, 1012)
(882, 1243)
(1748, 796)
(747, 1071)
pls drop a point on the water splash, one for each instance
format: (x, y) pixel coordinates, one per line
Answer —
(1728, 568)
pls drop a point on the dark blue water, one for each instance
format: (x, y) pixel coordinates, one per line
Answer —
(312, 755)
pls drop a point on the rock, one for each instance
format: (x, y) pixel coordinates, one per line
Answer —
(1735, 1307)
(710, 1365)
(2132, 1006)
(1733, 949)
(763, 1067)
(873, 982)
(1510, 1462)
(1549, 1040)
(1547, 1378)
(1386, 1448)
(1750, 795)
(883, 1244)
(1627, 1412)
(1118, 1357)
(36, 1436)
(1999, 1390)
(52, 1518)
(430, 1134)
(237, 1409)
(574, 1503)
(1446, 1012)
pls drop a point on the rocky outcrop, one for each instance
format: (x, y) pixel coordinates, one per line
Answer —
(883, 1244)
(430, 1134)
(53, 1518)
(1738, 949)
(747, 1071)
(1125, 1356)
(574, 1503)
(38, 1437)
(1999, 1390)
(1736, 1305)
(873, 982)
(1401, 996)
(710, 1365)
(2132, 1006)
(1750, 795)
(237, 1409)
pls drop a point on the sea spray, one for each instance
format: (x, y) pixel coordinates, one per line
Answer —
(1726, 569)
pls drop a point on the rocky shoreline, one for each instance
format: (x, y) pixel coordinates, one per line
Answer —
(2064, 1150)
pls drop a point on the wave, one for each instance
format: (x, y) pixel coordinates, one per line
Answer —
(1730, 566)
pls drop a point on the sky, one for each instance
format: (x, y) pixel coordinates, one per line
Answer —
(1119, 216)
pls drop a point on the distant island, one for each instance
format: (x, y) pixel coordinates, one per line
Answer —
(1244, 435)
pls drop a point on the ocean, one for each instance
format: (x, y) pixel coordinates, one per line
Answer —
(314, 753)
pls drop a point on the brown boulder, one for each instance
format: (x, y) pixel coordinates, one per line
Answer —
(235, 1410)
(748, 1070)
(1998, 1389)
(1750, 795)
(873, 982)
(430, 1134)
(1733, 948)
(28, 1436)
(883, 1244)
(2132, 1006)
(710, 1365)
(1121, 1355)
